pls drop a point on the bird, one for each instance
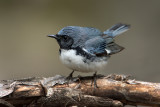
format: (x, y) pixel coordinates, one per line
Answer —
(87, 49)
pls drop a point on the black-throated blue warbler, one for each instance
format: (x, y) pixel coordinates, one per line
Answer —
(87, 49)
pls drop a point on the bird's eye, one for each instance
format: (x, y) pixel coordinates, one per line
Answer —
(65, 38)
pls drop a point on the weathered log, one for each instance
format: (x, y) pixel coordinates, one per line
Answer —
(112, 91)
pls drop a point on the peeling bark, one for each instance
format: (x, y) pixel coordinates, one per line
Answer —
(112, 91)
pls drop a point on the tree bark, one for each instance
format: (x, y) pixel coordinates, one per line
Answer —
(112, 91)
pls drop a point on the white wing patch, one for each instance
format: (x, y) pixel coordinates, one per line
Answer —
(87, 51)
(108, 51)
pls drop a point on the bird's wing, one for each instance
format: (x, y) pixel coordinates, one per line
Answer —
(85, 34)
(113, 48)
(96, 46)
(102, 47)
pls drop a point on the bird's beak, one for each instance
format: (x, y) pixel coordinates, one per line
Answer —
(53, 36)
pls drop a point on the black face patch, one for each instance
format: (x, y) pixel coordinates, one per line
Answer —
(64, 41)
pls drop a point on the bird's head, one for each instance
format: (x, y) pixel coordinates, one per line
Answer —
(73, 36)
(66, 36)
(64, 41)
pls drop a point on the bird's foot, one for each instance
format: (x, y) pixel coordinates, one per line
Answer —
(69, 78)
(94, 80)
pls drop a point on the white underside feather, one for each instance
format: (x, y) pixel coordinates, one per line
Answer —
(76, 62)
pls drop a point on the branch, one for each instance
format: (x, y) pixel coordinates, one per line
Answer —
(113, 91)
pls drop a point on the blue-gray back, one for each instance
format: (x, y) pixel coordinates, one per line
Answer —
(93, 40)
(80, 34)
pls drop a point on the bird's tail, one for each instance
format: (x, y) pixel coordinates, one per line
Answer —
(116, 29)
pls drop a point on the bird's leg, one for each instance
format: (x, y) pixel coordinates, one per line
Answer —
(70, 76)
(94, 80)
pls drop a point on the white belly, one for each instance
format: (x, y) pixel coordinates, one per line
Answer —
(76, 62)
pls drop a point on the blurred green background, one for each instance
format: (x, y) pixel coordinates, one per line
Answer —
(25, 51)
